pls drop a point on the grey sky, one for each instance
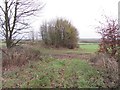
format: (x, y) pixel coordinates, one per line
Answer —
(83, 14)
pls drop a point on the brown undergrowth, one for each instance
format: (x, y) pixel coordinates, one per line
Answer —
(109, 68)
(18, 56)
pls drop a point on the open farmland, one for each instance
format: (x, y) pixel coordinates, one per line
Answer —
(89, 47)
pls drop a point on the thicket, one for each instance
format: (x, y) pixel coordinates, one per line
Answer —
(59, 33)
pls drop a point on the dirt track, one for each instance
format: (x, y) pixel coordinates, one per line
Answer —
(85, 56)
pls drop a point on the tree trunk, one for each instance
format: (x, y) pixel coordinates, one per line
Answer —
(8, 43)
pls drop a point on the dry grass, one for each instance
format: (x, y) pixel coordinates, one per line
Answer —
(18, 56)
(108, 66)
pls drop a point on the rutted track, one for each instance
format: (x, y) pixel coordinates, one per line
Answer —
(84, 56)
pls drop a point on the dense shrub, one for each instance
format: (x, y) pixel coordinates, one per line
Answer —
(59, 33)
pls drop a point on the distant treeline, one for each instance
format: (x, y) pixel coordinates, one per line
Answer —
(82, 40)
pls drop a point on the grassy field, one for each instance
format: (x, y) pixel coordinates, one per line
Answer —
(89, 47)
(2, 44)
(56, 72)
(83, 48)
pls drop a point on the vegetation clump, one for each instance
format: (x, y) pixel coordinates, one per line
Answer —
(109, 37)
(59, 33)
(19, 56)
(108, 68)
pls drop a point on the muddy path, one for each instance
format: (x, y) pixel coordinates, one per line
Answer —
(83, 56)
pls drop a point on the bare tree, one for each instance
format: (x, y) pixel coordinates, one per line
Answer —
(15, 17)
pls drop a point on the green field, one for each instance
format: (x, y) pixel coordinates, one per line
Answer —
(2, 44)
(83, 48)
(56, 72)
(89, 47)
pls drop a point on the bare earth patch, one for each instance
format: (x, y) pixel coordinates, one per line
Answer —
(84, 56)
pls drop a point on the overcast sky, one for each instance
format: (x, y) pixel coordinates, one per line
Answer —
(83, 14)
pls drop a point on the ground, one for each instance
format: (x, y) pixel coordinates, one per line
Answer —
(58, 68)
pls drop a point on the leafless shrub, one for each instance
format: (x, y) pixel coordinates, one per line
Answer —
(18, 56)
(108, 67)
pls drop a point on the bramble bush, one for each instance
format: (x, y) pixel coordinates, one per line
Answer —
(109, 33)
(110, 48)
